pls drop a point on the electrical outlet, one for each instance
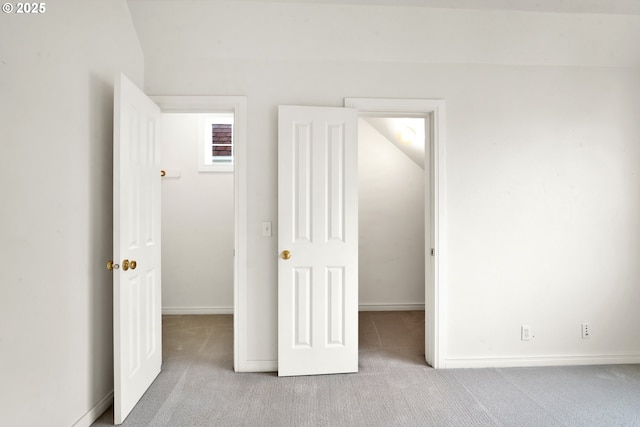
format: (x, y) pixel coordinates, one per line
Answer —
(586, 331)
(525, 333)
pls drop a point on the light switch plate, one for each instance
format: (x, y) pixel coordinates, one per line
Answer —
(266, 229)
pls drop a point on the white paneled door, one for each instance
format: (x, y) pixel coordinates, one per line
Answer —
(318, 240)
(137, 329)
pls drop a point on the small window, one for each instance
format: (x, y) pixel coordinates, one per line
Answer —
(216, 149)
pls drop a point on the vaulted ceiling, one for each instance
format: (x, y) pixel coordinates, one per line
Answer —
(601, 33)
(406, 133)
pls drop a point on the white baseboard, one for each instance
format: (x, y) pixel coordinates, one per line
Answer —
(94, 413)
(390, 307)
(229, 310)
(259, 366)
(197, 310)
(531, 361)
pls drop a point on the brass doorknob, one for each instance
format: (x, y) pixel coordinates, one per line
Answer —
(125, 264)
(111, 266)
(133, 264)
(285, 254)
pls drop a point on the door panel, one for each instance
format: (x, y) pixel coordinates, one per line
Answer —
(137, 332)
(318, 224)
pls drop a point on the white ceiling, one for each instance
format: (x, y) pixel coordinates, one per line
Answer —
(622, 7)
(347, 30)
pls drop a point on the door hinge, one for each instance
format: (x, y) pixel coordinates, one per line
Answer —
(433, 252)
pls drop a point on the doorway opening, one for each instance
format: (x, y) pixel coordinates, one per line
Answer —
(212, 108)
(433, 113)
(391, 218)
(197, 213)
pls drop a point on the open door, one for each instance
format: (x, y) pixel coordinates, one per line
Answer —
(318, 240)
(137, 327)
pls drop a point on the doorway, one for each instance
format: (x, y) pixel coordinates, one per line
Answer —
(391, 163)
(197, 213)
(237, 105)
(433, 112)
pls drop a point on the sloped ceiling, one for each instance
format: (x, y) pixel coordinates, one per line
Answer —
(392, 129)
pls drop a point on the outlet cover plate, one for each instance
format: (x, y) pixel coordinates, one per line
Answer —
(586, 331)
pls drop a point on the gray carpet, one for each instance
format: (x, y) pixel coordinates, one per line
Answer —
(394, 387)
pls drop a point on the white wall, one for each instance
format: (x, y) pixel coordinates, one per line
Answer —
(542, 153)
(56, 134)
(390, 224)
(197, 224)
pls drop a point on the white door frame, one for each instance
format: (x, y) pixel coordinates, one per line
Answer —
(435, 232)
(237, 104)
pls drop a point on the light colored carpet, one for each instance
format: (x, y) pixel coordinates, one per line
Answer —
(197, 386)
